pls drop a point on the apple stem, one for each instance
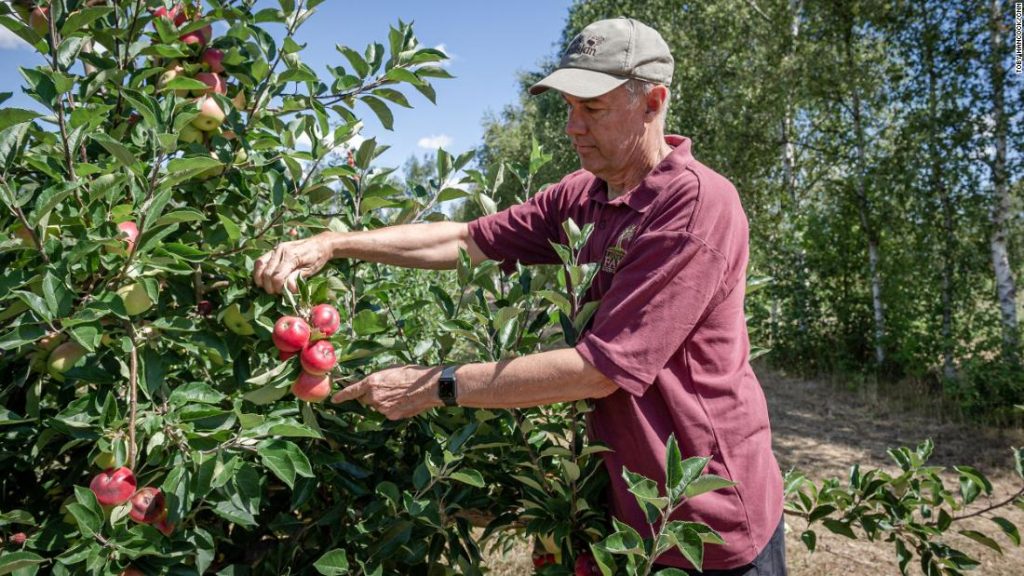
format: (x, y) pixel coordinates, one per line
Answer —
(133, 394)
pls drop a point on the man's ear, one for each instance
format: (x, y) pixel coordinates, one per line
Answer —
(657, 100)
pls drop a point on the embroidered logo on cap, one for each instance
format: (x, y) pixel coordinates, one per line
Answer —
(614, 254)
(585, 45)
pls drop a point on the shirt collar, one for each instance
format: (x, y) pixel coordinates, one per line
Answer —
(641, 197)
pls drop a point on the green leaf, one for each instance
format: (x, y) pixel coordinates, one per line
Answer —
(11, 116)
(706, 483)
(673, 466)
(692, 468)
(17, 560)
(982, 539)
(691, 546)
(285, 460)
(646, 493)
(841, 528)
(358, 63)
(84, 17)
(196, 392)
(387, 119)
(810, 539)
(1009, 528)
(116, 149)
(24, 334)
(469, 476)
(368, 322)
(332, 563)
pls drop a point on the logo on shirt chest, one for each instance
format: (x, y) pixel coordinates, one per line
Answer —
(614, 254)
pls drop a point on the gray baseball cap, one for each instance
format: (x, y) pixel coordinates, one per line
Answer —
(605, 55)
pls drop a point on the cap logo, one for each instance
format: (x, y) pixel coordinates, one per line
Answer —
(584, 45)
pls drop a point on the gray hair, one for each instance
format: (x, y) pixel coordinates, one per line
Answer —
(636, 89)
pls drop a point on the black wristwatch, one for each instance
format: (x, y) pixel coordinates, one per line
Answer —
(447, 391)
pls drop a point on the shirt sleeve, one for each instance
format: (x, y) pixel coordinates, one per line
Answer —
(521, 233)
(660, 292)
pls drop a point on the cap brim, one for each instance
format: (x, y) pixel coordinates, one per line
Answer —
(578, 82)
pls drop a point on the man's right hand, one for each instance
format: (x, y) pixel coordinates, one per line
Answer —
(284, 264)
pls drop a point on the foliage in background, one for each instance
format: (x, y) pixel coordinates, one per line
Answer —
(863, 138)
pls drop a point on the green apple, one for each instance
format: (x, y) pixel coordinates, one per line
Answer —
(64, 357)
(237, 322)
(104, 460)
(210, 115)
(190, 135)
(136, 299)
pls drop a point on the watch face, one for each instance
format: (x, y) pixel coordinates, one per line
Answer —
(446, 389)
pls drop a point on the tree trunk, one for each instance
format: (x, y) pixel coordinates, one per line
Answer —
(939, 187)
(864, 209)
(1006, 290)
(789, 175)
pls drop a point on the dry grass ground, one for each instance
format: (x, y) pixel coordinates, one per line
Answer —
(821, 428)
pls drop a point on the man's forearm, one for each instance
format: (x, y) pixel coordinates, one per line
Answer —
(433, 246)
(533, 380)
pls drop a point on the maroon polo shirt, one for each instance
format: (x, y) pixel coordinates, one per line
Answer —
(670, 332)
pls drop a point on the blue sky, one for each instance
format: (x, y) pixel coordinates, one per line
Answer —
(489, 42)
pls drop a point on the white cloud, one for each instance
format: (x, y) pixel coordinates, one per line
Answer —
(451, 57)
(435, 142)
(10, 41)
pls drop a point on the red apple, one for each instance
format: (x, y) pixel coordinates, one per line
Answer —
(294, 233)
(542, 560)
(198, 37)
(174, 14)
(148, 505)
(64, 357)
(291, 334)
(284, 356)
(131, 571)
(167, 528)
(312, 387)
(318, 358)
(586, 565)
(18, 538)
(210, 114)
(213, 82)
(325, 319)
(114, 486)
(213, 59)
(204, 308)
(128, 232)
(39, 20)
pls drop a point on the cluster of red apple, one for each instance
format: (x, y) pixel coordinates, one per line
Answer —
(293, 335)
(116, 486)
(206, 68)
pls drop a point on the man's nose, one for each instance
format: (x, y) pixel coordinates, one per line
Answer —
(574, 125)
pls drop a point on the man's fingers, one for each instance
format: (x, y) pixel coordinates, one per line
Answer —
(293, 284)
(257, 268)
(353, 391)
(273, 268)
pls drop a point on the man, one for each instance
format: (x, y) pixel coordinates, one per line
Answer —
(666, 352)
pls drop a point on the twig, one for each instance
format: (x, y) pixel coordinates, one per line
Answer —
(133, 391)
(24, 222)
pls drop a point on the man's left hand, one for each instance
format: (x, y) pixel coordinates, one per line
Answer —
(399, 392)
